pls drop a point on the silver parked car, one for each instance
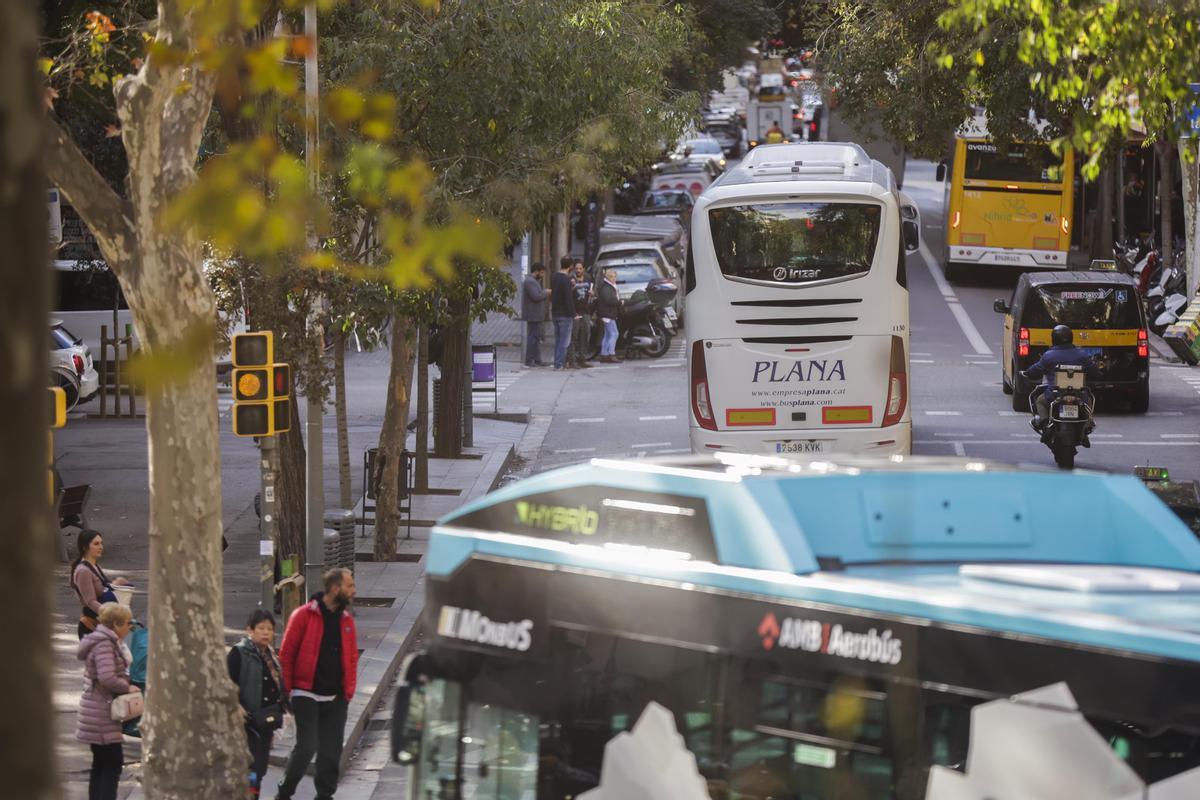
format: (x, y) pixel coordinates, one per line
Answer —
(71, 365)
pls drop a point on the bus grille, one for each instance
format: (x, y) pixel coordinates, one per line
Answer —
(795, 339)
(796, 321)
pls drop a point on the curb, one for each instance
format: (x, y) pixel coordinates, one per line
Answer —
(1163, 350)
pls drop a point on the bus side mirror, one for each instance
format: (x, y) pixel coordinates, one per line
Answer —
(1001, 307)
(941, 172)
(408, 714)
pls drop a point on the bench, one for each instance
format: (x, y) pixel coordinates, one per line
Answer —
(70, 507)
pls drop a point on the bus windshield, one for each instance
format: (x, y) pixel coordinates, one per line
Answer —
(1023, 162)
(795, 242)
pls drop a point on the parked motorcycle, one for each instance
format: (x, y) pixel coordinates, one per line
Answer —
(1071, 418)
(645, 325)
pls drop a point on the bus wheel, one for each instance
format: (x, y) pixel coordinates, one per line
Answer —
(951, 272)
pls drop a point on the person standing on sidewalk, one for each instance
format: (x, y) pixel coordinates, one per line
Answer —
(581, 331)
(255, 669)
(533, 313)
(89, 581)
(562, 310)
(608, 308)
(320, 667)
(105, 676)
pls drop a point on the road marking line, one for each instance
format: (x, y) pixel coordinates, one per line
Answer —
(1024, 435)
(1013, 413)
(982, 363)
(920, 354)
(959, 450)
(673, 450)
(1179, 435)
(1122, 443)
(646, 445)
(1106, 436)
(665, 366)
(654, 419)
(612, 367)
(959, 435)
(943, 413)
(586, 419)
(964, 320)
(575, 450)
(921, 361)
(1163, 414)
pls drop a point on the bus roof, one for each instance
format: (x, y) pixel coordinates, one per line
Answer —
(1088, 558)
(813, 161)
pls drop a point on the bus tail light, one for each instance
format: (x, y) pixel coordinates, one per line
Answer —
(701, 402)
(1023, 342)
(1143, 344)
(897, 384)
(1065, 224)
(957, 219)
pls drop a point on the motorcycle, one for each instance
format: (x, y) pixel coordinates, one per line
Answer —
(646, 324)
(1071, 417)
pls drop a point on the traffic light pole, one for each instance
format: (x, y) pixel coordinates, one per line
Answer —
(314, 528)
(266, 543)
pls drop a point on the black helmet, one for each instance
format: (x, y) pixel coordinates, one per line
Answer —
(1061, 334)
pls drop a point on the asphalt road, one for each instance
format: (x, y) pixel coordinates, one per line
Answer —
(639, 408)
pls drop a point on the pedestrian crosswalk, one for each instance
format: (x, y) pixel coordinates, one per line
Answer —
(483, 401)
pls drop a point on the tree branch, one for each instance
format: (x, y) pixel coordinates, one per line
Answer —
(108, 215)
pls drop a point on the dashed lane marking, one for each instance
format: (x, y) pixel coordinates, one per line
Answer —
(943, 413)
(657, 418)
(1163, 414)
(956, 435)
(959, 450)
(585, 419)
(960, 314)
(1179, 436)
(1121, 443)
(575, 450)
(647, 445)
(673, 450)
(921, 361)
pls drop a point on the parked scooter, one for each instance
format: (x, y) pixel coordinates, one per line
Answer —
(1071, 418)
(644, 326)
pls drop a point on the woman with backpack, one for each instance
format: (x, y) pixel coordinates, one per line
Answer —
(255, 668)
(105, 678)
(89, 581)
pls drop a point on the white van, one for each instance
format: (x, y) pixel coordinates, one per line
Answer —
(799, 306)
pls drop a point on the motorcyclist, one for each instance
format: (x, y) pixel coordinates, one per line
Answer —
(1062, 352)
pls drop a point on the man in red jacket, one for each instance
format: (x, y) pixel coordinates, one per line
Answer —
(319, 656)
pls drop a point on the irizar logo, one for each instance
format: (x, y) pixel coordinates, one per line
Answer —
(581, 520)
(472, 626)
(795, 274)
(830, 639)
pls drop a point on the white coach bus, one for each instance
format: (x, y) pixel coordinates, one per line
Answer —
(796, 285)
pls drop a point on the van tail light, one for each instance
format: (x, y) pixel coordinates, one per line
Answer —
(78, 364)
(897, 384)
(701, 401)
(957, 219)
(1143, 344)
(1023, 342)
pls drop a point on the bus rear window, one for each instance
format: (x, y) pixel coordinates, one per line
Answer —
(795, 242)
(1084, 306)
(1028, 163)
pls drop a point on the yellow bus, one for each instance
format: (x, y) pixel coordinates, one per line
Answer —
(1006, 205)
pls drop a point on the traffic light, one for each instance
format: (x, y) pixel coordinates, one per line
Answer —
(261, 405)
(58, 407)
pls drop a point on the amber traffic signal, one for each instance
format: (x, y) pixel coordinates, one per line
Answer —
(261, 387)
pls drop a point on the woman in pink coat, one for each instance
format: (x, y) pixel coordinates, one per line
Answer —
(105, 675)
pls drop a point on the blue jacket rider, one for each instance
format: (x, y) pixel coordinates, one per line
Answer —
(1062, 352)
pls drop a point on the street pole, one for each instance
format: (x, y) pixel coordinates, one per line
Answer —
(266, 543)
(314, 528)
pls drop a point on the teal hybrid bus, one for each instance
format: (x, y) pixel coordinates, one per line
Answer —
(754, 628)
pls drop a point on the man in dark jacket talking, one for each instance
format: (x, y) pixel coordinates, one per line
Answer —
(319, 656)
(533, 313)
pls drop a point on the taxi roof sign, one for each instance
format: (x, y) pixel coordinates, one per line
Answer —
(1103, 265)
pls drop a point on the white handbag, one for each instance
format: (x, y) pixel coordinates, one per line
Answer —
(128, 706)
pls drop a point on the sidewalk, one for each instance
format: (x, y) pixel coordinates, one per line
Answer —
(111, 456)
